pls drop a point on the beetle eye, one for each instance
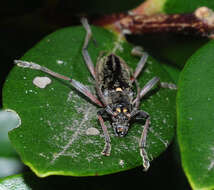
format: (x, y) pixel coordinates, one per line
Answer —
(118, 110)
(125, 110)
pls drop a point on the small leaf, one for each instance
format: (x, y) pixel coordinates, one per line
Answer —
(185, 6)
(8, 121)
(13, 183)
(10, 166)
(195, 112)
(53, 137)
(23, 181)
(9, 163)
(150, 7)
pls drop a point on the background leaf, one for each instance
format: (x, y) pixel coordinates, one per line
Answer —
(52, 138)
(173, 72)
(13, 183)
(185, 6)
(195, 112)
(8, 121)
(9, 161)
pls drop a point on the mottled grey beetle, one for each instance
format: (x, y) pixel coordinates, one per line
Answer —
(114, 86)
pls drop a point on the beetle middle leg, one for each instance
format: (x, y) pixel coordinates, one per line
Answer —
(142, 145)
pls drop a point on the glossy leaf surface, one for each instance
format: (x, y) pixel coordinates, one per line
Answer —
(53, 137)
(195, 113)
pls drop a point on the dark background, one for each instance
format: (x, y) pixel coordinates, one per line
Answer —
(23, 23)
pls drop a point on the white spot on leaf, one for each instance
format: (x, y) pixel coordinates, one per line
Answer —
(211, 165)
(41, 82)
(121, 162)
(59, 62)
(92, 131)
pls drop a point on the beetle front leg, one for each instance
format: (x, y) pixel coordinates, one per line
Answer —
(140, 114)
(76, 84)
(107, 148)
(142, 145)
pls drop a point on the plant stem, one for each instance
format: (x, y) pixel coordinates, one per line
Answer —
(200, 22)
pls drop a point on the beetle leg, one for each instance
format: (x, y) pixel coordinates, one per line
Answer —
(87, 57)
(107, 148)
(168, 85)
(137, 51)
(149, 85)
(140, 66)
(139, 114)
(77, 85)
(137, 103)
(142, 145)
(85, 53)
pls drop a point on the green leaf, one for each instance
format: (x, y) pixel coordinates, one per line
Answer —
(10, 166)
(8, 121)
(185, 6)
(9, 163)
(52, 138)
(25, 181)
(13, 183)
(195, 113)
(175, 6)
(173, 72)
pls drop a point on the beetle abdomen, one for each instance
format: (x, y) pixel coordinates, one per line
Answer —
(113, 73)
(113, 77)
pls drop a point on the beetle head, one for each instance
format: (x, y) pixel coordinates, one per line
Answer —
(120, 129)
(121, 120)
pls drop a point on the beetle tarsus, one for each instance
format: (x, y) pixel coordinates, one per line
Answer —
(145, 159)
(107, 149)
(142, 145)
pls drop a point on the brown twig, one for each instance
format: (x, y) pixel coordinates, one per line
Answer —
(200, 22)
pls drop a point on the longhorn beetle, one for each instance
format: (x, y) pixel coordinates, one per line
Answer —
(114, 86)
